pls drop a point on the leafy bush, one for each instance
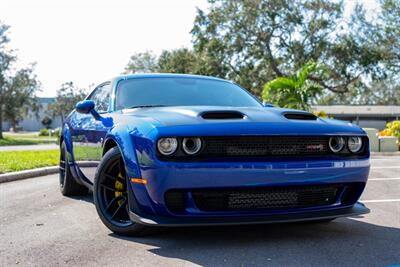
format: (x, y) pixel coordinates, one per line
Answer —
(44, 132)
(55, 133)
(392, 129)
(321, 114)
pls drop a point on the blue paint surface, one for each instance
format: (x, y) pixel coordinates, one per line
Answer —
(136, 131)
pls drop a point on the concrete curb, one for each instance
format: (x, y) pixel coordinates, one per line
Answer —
(14, 176)
(374, 154)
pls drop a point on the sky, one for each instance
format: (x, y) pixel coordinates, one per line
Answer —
(89, 41)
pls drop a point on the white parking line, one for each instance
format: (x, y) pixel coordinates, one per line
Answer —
(388, 158)
(381, 200)
(386, 167)
(383, 179)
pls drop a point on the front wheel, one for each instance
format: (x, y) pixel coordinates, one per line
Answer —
(111, 198)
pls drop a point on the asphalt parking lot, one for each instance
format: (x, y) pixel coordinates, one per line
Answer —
(39, 227)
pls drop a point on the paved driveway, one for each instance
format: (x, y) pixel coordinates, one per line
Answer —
(40, 227)
(29, 147)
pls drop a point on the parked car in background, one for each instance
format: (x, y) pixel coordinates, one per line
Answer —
(184, 150)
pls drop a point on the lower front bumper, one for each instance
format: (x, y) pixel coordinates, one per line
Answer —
(356, 209)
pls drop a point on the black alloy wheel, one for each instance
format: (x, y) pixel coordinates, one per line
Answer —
(67, 183)
(111, 196)
(112, 192)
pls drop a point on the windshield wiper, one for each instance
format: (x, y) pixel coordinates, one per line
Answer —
(147, 106)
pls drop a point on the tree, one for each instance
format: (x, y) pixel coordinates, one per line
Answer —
(20, 94)
(296, 91)
(379, 92)
(6, 59)
(142, 63)
(254, 41)
(17, 87)
(67, 97)
(382, 35)
(180, 60)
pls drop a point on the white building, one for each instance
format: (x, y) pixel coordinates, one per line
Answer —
(32, 121)
(366, 116)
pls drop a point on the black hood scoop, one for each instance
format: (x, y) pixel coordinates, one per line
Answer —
(305, 116)
(222, 115)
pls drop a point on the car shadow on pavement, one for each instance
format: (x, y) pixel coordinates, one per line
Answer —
(87, 198)
(343, 242)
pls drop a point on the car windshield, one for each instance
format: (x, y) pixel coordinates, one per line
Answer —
(142, 92)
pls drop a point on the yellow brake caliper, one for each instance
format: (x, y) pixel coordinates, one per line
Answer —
(120, 187)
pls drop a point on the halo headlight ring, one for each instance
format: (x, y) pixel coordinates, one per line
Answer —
(191, 145)
(336, 144)
(167, 145)
(354, 144)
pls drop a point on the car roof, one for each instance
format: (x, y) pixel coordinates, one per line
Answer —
(167, 75)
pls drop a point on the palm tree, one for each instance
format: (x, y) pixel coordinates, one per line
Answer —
(295, 91)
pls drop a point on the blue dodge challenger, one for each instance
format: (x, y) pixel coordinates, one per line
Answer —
(185, 150)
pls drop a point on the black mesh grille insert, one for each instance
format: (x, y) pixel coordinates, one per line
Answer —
(265, 146)
(266, 198)
(175, 200)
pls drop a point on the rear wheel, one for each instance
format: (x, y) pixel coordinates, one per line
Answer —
(68, 185)
(111, 196)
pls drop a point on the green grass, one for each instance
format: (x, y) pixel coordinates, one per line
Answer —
(87, 153)
(25, 136)
(11, 161)
(8, 141)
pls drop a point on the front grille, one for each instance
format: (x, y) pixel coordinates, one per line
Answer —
(257, 146)
(265, 198)
(175, 200)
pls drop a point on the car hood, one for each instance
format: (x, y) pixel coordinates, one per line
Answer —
(241, 120)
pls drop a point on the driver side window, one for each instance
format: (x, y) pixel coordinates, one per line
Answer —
(102, 96)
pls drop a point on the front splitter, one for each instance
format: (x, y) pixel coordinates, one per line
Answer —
(355, 210)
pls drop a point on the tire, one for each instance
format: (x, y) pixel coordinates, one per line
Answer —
(110, 196)
(68, 185)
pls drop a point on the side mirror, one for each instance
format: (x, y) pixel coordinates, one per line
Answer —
(268, 105)
(85, 106)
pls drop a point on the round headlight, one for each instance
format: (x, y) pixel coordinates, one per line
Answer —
(336, 144)
(167, 146)
(354, 143)
(191, 145)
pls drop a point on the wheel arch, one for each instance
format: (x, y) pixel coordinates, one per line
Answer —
(108, 144)
(121, 138)
(66, 138)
